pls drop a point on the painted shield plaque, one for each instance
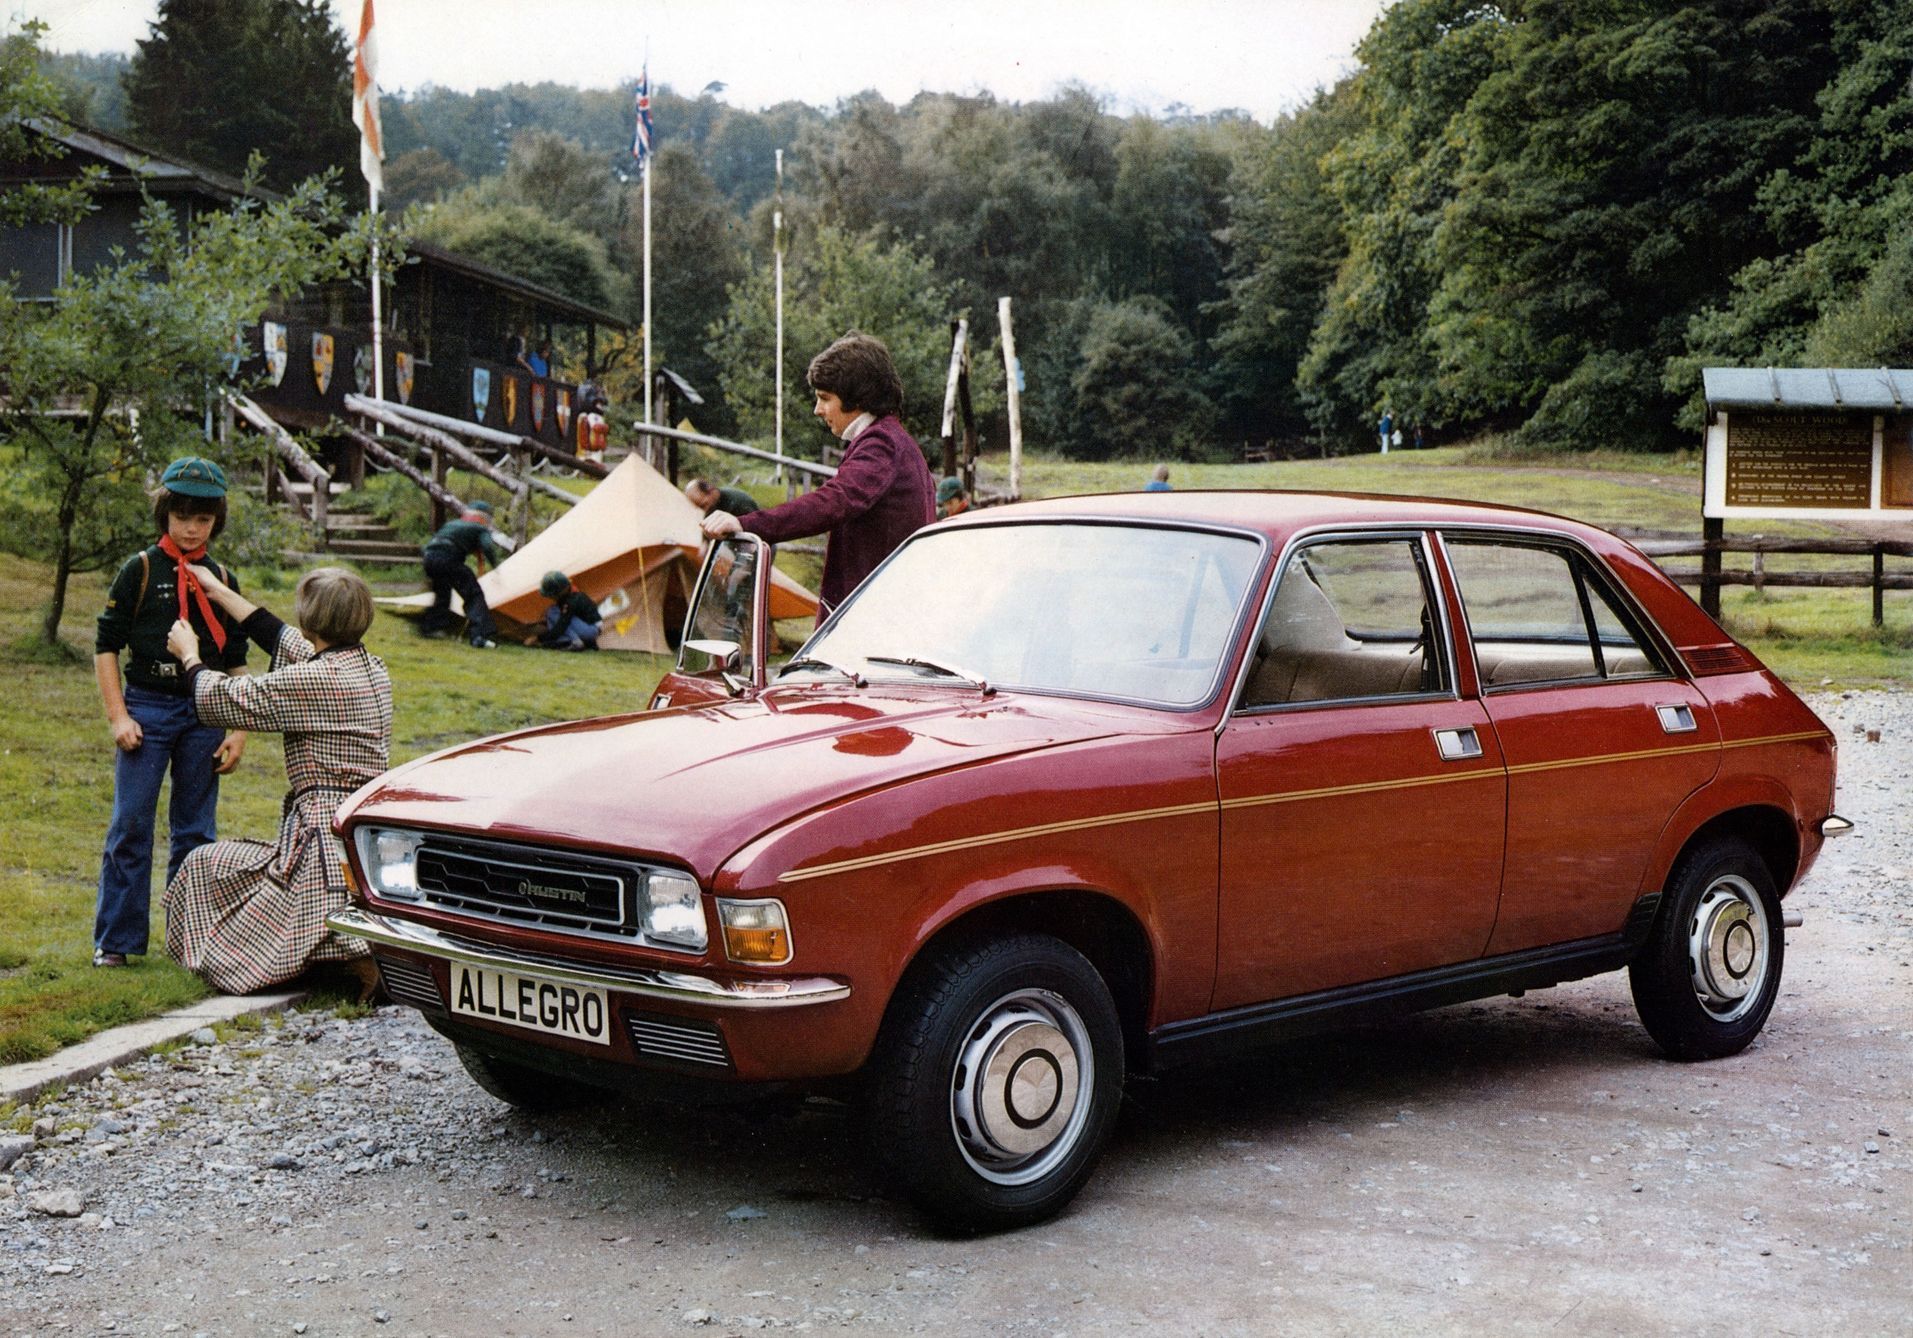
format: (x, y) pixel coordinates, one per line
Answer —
(537, 406)
(362, 369)
(510, 392)
(407, 368)
(481, 392)
(563, 411)
(273, 336)
(323, 352)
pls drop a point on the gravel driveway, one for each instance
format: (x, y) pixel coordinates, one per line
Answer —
(1515, 1165)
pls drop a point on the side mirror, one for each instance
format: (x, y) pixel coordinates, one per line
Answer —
(722, 656)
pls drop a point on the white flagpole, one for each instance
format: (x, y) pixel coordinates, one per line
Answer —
(777, 249)
(646, 172)
(378, 309)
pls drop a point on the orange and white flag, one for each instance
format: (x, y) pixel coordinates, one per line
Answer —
(365, 101)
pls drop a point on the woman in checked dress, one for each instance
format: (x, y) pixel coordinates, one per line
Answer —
(246, 915)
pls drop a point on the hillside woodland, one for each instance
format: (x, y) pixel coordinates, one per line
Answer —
(1536, 217)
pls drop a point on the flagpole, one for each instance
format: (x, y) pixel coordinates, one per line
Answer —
(378, 313)
(646, 172)
(777, 248)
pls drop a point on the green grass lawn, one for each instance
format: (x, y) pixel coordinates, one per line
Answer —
(56, 756)
(56, 774)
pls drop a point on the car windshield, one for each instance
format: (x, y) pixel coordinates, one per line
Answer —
(1137, 612)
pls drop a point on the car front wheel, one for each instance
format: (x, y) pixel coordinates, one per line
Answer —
(996, 1081)
(526, 1088)
(1707, 979)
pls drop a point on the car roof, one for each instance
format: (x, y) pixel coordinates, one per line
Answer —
(1279, 513)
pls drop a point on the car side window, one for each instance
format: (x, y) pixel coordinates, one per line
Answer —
(1539, 614)
(1351, 619)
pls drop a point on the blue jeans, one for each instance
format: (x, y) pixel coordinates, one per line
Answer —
(171, 735)
(575, 634)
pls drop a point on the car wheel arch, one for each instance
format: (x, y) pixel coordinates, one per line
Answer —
(1096, 924)
(1764, 824)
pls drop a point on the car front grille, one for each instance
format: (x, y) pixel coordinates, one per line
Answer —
(678, 1040)
(410, 982)
(527, 885)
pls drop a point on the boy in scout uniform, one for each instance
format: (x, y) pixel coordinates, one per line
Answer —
(154, 725)
(572, 621)
(444, 561)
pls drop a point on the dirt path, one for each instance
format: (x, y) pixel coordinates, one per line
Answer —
(1517, 1165)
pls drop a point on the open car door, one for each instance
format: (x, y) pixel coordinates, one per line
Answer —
(727, 631)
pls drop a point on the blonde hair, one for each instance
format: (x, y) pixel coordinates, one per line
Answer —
(333, 605)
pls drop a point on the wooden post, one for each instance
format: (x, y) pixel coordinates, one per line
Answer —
(959, 365)
(439, 510)
(1879, 585)
(1014, 397)
(1712, 532)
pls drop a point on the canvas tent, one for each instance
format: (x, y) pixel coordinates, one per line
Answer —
(633, 545)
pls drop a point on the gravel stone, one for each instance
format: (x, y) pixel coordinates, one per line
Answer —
(12, 1148)
(56, 1202)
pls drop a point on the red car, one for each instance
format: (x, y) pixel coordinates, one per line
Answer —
(1083, 787)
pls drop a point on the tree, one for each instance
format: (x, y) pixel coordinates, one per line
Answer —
(1393, 179)
(1286, 242)
(1835, 294)
(419, 176)
(697, 255)
(27, 94)
(1135, 385)
(128, 355)
(218, 79)
(523, 242)
(1608, 191)
(566, 184)
(843, 283)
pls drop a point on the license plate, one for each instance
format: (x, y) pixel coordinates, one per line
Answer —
(577, 1011)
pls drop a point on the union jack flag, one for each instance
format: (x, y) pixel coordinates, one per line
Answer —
(641, 141)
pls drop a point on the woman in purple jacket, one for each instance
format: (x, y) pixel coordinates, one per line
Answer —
(882, 491)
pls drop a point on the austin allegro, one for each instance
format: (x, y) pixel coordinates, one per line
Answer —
(1075, 789)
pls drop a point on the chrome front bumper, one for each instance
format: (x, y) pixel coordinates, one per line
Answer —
(675, 986)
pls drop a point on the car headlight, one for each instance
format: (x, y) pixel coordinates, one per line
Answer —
(390, 860)
(755, 931)
(672, 910)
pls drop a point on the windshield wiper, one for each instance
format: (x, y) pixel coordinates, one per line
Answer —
(912, 662)
(812, 662)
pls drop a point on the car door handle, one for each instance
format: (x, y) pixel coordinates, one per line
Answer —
(1676, 719)
(1456, 745)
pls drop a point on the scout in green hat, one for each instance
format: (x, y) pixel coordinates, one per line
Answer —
(572, 621)
(444, 561)
(150, 710)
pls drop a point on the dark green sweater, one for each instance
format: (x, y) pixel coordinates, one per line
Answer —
(462, 538)
(141, 621)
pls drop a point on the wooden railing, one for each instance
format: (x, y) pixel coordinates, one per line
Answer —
(1710, 576)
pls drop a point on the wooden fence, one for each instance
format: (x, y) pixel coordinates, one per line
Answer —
(1711, 575)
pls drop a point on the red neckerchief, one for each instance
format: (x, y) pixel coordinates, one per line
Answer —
(189, 580)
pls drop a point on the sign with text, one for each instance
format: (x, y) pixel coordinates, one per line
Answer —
(1799, 459)
(1810, 463)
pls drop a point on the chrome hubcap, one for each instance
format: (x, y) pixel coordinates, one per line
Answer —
(1728, 948)
(1016, 1096)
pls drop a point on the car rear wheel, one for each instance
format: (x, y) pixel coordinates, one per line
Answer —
(1707, 979)
(996, 1081)
(526, 1088)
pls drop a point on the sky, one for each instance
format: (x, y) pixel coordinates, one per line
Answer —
(1265, 57)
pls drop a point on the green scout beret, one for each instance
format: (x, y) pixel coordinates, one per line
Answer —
(486, 507)
(553, 584)
(191, 476)
(948, 489)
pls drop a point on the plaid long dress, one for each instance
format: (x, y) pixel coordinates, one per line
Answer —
(246, 915)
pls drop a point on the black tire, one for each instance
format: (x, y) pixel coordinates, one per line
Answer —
(528, 1089)
(996, 1081)
(1707, 978)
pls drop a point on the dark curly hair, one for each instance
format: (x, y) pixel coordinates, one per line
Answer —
(857, 369)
